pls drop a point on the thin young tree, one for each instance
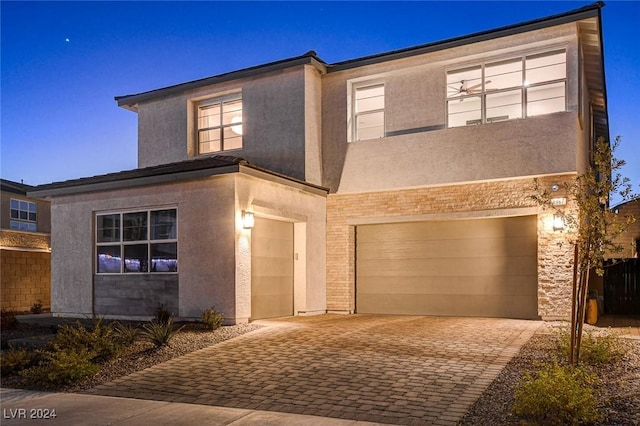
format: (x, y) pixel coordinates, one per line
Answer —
(590, 225)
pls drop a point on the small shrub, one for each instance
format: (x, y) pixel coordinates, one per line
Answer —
(212, 319)
(600, 348)
(159, 333)
(557, 395)
(36, 308)
(67, 366)
(8, 320)
(15, 360)
(126, 333)
(162, 315)
(99, 341)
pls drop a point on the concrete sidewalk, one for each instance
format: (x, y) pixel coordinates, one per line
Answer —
(20, 407)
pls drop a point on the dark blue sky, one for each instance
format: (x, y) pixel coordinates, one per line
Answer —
(63, 63)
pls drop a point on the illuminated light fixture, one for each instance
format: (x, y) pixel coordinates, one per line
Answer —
(559, 201)
(555, 187)
(248, 220)
(558, 222)
(236, 124)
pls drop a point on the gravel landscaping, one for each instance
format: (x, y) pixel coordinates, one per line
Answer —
(618, 391)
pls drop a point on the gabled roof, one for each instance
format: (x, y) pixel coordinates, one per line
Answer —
(14, 187)
(309, 58)
(165, 173)
(588, 19)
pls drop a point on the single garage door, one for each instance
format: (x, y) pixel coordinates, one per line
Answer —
(477, 267)
(271, 269)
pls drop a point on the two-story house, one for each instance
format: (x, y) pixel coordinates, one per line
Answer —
(25, 248)
(396, 183)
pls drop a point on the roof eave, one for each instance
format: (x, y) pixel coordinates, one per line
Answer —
(589, 11)
(130, 102)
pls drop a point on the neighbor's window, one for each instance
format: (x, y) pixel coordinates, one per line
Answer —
(514, 88)
(368, 112)
(24, 215)
(219, 124)
(140, 241)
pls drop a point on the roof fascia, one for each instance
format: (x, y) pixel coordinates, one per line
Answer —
(259, 172)
(130, 101)
(80, 188)
(589, 11)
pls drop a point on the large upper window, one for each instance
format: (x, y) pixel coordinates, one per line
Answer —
(368, 112)
(24, 215)
(219, 124)
(514, 88)
(140, 241)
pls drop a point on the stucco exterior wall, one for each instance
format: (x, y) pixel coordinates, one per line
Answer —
(273, 122)
(214, 251)
(277, 201)
(474, 200)
(419, 150)
(205, 222)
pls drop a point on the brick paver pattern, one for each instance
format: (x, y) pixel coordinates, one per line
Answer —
(388, 369)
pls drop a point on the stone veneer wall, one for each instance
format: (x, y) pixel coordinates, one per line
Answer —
(555, 253)
(25, 279)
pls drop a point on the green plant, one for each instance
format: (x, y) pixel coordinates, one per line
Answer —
(67, 366)
(16, 359)
(597, 348)
(99, 341)
(557, 395)
(36, 308)
(8, 320)
(163, 315)
(159, 333)
(126, 333)
(591, 226)
(212, 319)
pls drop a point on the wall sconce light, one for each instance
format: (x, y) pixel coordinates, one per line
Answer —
(558, 222)
(248, 220)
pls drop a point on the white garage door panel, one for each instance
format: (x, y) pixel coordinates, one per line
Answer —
(445, 248)
(476, 267)
(455, 286)
(479, 266)
(461, 305)
(271, 269)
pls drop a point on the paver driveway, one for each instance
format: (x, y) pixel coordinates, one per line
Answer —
(387, 369)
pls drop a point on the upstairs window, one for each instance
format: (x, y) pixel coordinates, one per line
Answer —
(368, 112)
(24, 215)
(219, 124)
(514, 88)
(140, 241)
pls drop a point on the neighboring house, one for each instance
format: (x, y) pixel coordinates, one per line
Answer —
(629, 241)
(25, 248)
(621, 282)
(396, 183)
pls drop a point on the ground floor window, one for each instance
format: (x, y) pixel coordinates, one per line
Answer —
(143, 241)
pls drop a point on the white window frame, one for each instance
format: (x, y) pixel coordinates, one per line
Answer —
(481, 91)
(235, 127)
(23, 224)
(353, 128)
(122, 243)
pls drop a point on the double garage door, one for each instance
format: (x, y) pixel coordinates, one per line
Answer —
(478, 267)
